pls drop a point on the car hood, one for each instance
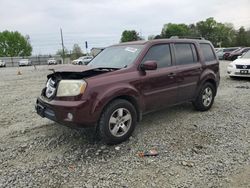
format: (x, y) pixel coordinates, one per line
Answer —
(78, 71)
(242, 61)
(71, 68)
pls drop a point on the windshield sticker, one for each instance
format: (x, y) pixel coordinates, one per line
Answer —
(130, 49)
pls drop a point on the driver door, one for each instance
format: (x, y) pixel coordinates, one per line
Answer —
(159, 87)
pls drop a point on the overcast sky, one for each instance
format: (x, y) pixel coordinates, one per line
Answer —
(101, 22)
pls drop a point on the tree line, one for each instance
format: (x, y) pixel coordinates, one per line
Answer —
(220, 34)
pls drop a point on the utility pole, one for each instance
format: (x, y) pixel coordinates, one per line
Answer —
(86, 46)
(62, 45)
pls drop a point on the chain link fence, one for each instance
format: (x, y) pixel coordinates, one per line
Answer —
(35, 60)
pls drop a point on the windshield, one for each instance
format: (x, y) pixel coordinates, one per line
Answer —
(246, 55)
(117, 56)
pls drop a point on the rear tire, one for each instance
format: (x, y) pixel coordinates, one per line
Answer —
(205, 98)
(233, 58)
(117, 122)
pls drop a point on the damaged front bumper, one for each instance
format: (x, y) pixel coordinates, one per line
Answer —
(74, 114)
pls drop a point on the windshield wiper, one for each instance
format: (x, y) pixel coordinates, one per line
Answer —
(107, 68)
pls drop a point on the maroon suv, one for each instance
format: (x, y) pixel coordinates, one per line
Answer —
(128, 80)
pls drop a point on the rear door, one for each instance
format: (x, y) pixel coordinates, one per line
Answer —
(189, 70)
(159, 87)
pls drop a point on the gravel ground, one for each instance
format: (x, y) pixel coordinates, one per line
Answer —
(208, 149)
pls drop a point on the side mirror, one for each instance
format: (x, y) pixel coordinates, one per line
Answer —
(149, 65)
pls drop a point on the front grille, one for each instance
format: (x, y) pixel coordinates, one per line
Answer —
(243, 66)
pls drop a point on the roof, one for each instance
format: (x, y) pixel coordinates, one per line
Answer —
(144, 42)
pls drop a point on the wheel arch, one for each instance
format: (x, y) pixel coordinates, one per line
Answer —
(209, 77)
(100, 105)
(213, 82)
(130, 99)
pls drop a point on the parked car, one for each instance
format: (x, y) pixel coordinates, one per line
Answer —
(84, 60)
(220, 52)
(2, 63)
(240, 67)
(52, 61)
(128, 80)
(234, 54)
(226, 51)
(217, 49)
(24, 62)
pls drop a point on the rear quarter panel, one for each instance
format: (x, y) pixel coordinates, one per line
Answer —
(210, 70)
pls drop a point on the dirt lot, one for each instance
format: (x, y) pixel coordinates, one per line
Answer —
(209, 149)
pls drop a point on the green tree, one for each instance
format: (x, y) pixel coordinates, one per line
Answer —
(76, 52)
(248, 37)
(172, 29)
(151, 37)
(224, 35)
(12, 44)
(242, 38)
(207, 29)
(130, 35)
(158, 37)
(60, 52)
(218, 33)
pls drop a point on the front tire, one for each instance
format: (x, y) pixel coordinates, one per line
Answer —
(117, 122)
(205, 98)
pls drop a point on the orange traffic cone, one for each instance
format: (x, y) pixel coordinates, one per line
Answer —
(19, 72)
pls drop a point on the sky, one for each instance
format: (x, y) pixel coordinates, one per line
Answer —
(101, 22)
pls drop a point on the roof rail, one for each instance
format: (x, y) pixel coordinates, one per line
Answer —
(186, 37)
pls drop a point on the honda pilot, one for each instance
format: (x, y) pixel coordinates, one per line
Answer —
(126, 81)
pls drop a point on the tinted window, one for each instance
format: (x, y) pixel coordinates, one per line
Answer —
(185, 54)
(161, 54)
(207, 52)
(229, 49)
(245, 50)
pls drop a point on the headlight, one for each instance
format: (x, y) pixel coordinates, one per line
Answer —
(71, 88)
(231, 65)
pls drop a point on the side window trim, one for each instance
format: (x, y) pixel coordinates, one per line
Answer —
(170, 52)
(194, 52)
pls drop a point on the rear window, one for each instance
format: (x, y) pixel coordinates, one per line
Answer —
(185, 54)
(207, 52)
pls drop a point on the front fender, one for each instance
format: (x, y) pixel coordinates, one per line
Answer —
(114, 92)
